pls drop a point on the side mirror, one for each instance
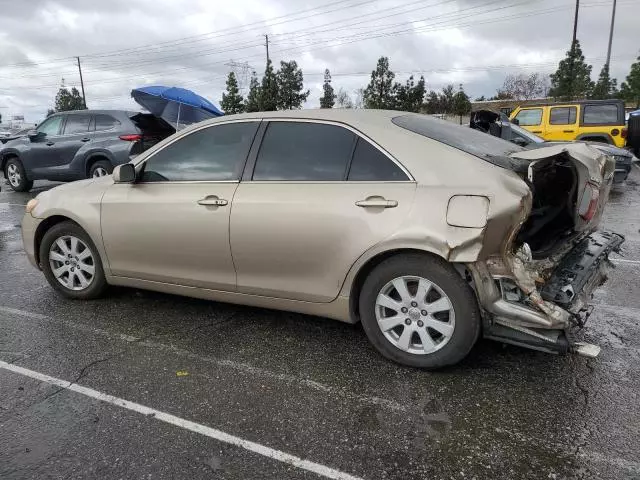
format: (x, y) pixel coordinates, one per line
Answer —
(34, 134)
(125, 173)
(516, 121)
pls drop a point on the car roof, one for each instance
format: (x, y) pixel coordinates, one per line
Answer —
(92, 111)
(571, 102)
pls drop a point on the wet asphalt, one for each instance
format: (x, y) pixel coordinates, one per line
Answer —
(306, 386)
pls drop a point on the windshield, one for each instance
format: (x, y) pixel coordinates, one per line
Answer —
(517, 129)
(487, 147)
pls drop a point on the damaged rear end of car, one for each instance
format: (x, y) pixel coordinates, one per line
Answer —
(535, 288)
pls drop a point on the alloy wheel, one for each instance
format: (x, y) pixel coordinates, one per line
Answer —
(99, 172)
(13, 173)
(72, 262)
(415, 315)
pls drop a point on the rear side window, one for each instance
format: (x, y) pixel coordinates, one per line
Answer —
(563, 115)
(529, 117)
(105, 122)
(304, 151)
(77, 124)
(600, 114)
(370, 164)
(212, 154)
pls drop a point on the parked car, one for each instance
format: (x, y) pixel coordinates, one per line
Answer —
(592, 120)
(430, 234)
(499, 125)
(76, 145)
(633, 137)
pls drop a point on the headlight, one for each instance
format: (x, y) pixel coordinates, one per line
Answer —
(31, 204)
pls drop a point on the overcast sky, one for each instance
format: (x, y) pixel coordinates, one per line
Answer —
(125, 44)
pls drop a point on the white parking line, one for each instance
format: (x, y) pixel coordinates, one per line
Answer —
(263, 450)
(622, 260)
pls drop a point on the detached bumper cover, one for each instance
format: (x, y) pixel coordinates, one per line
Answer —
(580, 272)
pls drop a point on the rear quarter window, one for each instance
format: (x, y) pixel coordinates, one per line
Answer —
(105, 122)
(603, 114)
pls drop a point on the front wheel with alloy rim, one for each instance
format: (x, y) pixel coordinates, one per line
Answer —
(71, 263)
(418, 311)
(100, 169)
(17, 177)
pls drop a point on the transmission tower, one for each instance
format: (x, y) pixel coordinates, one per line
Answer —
(241, 71)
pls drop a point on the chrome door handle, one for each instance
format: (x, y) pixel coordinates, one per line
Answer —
(377, 202)
(212, 200)
(568, 131)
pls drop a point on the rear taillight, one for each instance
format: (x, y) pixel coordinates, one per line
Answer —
(131, 138)
(589, 201)
(624, 133)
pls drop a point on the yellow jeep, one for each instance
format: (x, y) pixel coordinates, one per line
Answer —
(593, 120)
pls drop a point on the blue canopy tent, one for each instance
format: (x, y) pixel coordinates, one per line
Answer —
(177, 106)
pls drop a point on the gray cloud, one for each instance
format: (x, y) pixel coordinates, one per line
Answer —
(449, 41)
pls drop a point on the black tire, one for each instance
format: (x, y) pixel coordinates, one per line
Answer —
(101, 164)
(98, 283)
(462, 298)
(23, 184)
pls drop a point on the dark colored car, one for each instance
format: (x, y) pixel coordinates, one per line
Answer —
(80, 144)
(499, 125)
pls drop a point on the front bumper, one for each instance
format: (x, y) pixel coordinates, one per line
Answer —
(29, 227)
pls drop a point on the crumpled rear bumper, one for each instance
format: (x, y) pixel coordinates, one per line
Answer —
(580, 272)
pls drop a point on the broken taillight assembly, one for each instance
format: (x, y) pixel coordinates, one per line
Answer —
(589, 201)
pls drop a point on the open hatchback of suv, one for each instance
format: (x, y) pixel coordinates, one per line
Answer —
(428, 233)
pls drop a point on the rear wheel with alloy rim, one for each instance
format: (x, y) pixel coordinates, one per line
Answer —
(100, 169)
(418, 311)
(71, 262)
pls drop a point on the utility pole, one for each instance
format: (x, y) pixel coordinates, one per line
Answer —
(266, 38)
(613, 19)
(575, 24)
(84, 99)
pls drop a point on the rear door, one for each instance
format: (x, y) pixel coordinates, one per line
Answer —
(75, 135)
(531, 119)
(603, 120)
(562, 123)
(319, 196)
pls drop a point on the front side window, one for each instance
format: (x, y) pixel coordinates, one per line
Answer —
(50, 126)
(600, 114)
(370, 164)
(304, 151)
(563, 115)
(529, 117)
(77, 124)
(214, 153)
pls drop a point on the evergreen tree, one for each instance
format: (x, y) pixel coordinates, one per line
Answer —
(328, 98)
(432, 104)
(409, 97)
(572, 80)
(630, 89)
(461, 103)
(252, 103)
(68, 100)
(446, 99)
(379, 92)
(269, 90)
(481, 98)
(605, 87)
(232, 102)
(50, 111)
(290, 86)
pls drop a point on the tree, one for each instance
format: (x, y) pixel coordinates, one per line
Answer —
(446, 99)
(630, 89)
(461, 103)
(252, 103)
(343, 100)
(502, 95)
(50, 111)
(606, 87)
(359, 101)
(328, 98)
(523, 87)
(481, 98)
(379, 92)
(68, 100)
(572, 80)
(409, 97)
(432, 104)
(290, 85)
(232, 102)
(269, 90)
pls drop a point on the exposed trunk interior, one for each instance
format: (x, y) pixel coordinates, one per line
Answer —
(551, 220)
(153, 130)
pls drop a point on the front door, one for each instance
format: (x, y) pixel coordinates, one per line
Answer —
(562, 125)
(318, 198)
(42, 152)
(172, 225)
